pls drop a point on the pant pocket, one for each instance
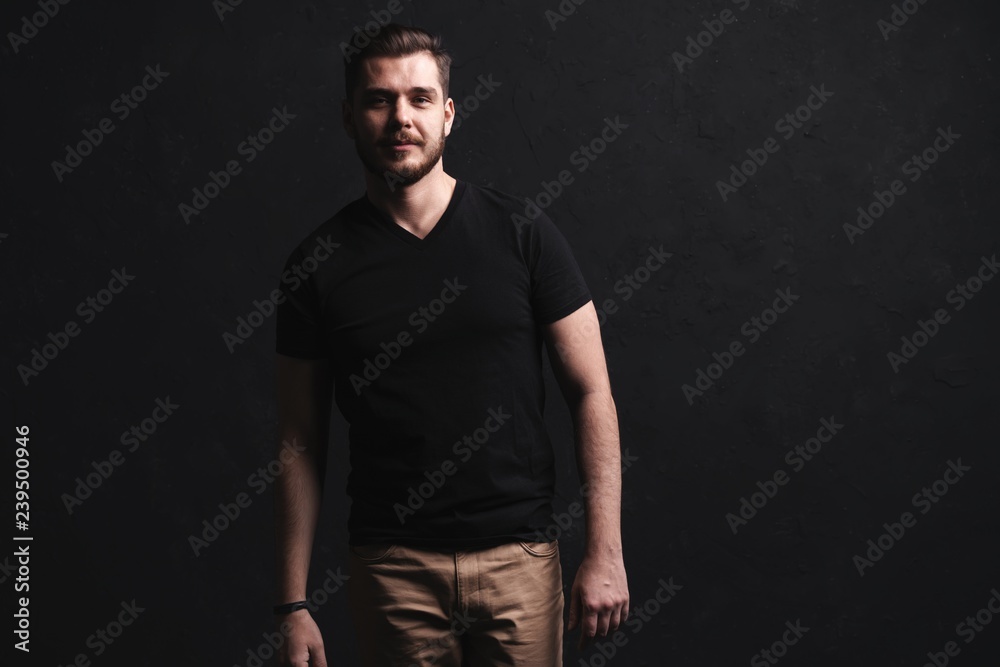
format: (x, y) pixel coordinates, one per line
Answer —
(372, 553)
(541, 549)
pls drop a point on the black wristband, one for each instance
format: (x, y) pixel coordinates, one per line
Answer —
(289, 607)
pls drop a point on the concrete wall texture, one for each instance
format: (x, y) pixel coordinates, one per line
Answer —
(806, 386)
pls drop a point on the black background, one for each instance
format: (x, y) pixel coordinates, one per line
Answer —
(655, 185)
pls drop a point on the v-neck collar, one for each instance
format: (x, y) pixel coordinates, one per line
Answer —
(387, 223)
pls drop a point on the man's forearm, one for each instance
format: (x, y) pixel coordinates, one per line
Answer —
(599, 463)
(298, 494)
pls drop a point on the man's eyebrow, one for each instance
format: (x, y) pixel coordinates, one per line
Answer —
(416, 89)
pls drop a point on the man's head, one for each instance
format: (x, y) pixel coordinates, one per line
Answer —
(397, 108)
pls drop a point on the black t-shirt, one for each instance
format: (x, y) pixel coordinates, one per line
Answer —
(436, 349)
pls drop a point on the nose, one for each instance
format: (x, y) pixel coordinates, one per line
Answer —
(401, 112)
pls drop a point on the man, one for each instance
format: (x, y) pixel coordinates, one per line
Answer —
(423, 310)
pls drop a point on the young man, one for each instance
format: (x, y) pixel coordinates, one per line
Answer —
(422, 307)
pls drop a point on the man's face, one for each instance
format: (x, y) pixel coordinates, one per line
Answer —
(399, 118)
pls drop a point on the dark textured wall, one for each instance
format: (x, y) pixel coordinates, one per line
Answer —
(855, 292)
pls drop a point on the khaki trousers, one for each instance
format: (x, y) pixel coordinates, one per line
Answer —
(487, 607)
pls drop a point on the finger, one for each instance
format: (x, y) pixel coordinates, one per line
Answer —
(318, 656)
(589, 625)
(298, 657)
(603, 621)
(574, 613)
(582, 640)
(614, 620)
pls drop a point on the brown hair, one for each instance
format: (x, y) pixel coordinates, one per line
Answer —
(395, 40)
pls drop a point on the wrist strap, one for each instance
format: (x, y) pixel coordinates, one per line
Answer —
(290, 607)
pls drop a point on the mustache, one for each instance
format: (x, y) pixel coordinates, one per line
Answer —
(392, 140)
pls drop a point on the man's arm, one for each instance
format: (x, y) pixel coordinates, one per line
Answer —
(304, 391)
(600, 591)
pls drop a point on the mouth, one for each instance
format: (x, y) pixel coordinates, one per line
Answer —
(399, 145)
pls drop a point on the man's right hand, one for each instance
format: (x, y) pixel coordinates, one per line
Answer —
(304, 647)
(304, 390)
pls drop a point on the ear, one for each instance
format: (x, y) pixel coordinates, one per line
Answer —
(347, 116)
(449, 116)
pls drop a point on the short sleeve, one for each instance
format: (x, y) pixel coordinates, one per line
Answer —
(299, 324)
(557, 284)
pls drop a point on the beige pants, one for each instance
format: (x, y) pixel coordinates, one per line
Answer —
(480, 608)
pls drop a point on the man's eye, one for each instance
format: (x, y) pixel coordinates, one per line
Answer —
(423, 99)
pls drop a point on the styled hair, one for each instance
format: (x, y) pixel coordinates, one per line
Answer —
(395, 40)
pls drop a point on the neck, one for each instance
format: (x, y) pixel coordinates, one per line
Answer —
(417, 206)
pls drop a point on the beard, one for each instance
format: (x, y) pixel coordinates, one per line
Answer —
(400, 169)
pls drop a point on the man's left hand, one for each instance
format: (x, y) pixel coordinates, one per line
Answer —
(599, 601)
